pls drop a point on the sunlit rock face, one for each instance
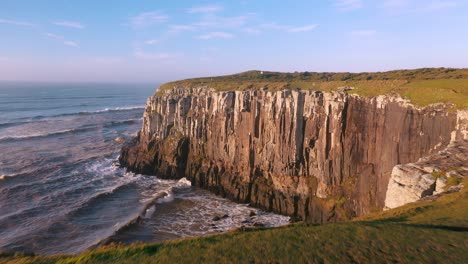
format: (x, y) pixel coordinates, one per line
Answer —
(315, 156)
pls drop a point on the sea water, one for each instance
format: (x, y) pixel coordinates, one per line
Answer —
(61, 187)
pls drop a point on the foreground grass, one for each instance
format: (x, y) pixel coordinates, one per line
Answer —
(423, 232)
(422, 86)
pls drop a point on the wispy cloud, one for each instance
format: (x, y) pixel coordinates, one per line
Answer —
(140, 54)
(71, 43)
(437, 5)
(70, 24)
(54, 36)
(205, 9)
(16, 23)
(396, 3)
(413, 6)
(364, 33)
(62, 39)
(348, 5)
(148, 19)
(274, 26)
(303, 28)
(152, 41)
(218, 34)
(221, 22)
(178, 28)
(252, 30)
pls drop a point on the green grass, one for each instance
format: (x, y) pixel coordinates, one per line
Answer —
(444, 91)
(422, 86)
(423, 232)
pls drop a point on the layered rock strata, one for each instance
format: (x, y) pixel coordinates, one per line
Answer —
(312, 155)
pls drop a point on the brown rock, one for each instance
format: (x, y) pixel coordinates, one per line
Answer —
(312, 155)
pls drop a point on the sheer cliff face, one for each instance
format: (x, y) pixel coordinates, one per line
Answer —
(312, 155)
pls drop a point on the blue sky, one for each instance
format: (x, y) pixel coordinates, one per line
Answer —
(157, 41)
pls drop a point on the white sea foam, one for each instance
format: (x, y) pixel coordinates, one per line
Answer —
(183, 183)
(210, 214)
(36, 135)
(119, 109)
(169, 197)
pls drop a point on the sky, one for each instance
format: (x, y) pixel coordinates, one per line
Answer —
(159, 41)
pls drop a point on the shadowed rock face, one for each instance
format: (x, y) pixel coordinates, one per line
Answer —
(314, 156)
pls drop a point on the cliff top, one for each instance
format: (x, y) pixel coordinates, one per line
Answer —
(421, 86)
(427, 231)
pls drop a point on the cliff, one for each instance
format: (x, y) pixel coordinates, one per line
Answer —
(316, 156)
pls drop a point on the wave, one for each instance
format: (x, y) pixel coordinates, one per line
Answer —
(47, 134)
(98, 169)
(82, 207)
(127, 122)
(26, 120)
(113, 170)
(162, 196)
(11, 124)
(126, 108)
(70, 131)
(105, 110)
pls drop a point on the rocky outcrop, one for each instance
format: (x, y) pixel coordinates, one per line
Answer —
(312, 155)
(433, 174)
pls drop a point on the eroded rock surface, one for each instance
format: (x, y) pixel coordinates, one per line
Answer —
(312, 155)
(429, 176)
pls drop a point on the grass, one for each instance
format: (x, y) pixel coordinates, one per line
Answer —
(421, 86)
(445, 91)
(423, 232)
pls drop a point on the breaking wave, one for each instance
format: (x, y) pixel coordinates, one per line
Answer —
(105, 110)
(47, 134)
(162, 196)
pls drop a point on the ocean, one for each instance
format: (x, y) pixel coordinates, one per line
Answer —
(61, 187)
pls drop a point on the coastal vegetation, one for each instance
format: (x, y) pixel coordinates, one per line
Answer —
(430, 231)
(421, 86)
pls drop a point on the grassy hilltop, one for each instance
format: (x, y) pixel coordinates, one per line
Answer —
(421, 86)
(423, 232)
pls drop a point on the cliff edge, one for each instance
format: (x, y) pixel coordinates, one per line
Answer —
(314, 155)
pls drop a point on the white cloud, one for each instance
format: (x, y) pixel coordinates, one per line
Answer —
(252, 30)
(155, 56)
(70, 24)
(303, 28)
(218, 34)
(204, 9)
(348, 5)
(221, 22)
(16, 23)
(438, 5)
(54, 36)
(364, 33)
(71, 43)
(152, 41)
(178, 28)
(413, 6)
(396, 3)
(274, 26)
(148, 19)
(62, 39)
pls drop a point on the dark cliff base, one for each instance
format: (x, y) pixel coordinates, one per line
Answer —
(314, 156)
